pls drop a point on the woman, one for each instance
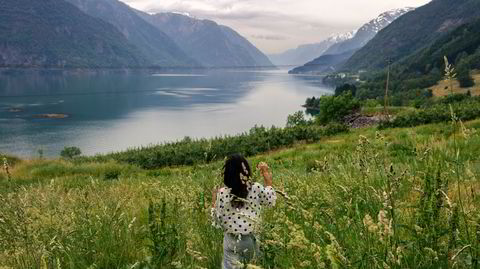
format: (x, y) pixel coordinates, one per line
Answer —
(236, 209)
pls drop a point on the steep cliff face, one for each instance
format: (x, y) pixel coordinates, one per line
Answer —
(54, 33)
(209, 43)
(157, 46)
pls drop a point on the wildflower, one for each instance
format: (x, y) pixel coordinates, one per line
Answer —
(251, 266)
(6, 167)
(450, 74)
(298, 241)
(177, 264)
(369, 224)
(335, 253)
(432, 253)
(418, 229)
(305, 264)
(385, 225)
(379, 136)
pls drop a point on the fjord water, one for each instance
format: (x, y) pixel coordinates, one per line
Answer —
(110, 112)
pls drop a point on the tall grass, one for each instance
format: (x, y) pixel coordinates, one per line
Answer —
(402, 198)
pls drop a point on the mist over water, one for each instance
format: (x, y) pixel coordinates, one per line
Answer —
(117, 111)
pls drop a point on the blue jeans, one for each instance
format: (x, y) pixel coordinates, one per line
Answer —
(238, 250)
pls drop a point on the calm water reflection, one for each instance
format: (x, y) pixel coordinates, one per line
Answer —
(112, 112)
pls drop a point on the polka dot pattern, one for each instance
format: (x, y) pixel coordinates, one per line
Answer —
(241, 220)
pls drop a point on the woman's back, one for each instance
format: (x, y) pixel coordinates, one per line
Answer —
(243, 219)
(236, 209)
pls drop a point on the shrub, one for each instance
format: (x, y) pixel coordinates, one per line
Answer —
(467, 109)
(70, 152)
(371, 103)
(112, 174)
(189, 151)
(296, 119)
(346, 88)
(335, 108)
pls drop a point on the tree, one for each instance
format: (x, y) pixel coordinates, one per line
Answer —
(346, 88)
(463, 74)
(70, 152)
(335, 108)
(296, 119)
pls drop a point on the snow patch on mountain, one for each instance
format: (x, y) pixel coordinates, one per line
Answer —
(384, 19)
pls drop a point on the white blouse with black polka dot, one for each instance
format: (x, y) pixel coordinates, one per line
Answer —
(241, 220)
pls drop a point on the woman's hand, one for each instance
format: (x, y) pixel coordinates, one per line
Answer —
(214, 196)
(267, 176)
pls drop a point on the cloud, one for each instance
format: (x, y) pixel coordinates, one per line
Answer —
(268, 23)
(269, 37)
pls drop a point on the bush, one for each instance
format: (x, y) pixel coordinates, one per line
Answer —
(467, 109)
(454, 98)
(296, 119)
(112, 174)
(70, 152)
(335, 108)
(463, 73)
(190, 151)
(346, 88)
(371, 103)
(465, 80)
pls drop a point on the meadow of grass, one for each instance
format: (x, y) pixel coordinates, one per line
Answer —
(396, 198)
(442, 88)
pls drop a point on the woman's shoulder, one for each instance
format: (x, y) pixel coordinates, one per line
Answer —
(224, 191)
(256, 186)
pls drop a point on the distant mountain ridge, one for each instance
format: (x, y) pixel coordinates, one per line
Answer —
(157, 47)
(209, 43)
(323, 64)
(412, 32)
(368, 31)
(54, 33)
(339, 53)
(109, 33)
(305, 53)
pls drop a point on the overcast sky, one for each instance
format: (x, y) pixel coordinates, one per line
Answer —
(276, 25)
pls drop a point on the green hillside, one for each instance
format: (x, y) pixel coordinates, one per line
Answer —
(461, 47)
(413, 31)
(424, 68)
(54, 33)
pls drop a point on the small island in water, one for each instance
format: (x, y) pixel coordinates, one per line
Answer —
(51, 116)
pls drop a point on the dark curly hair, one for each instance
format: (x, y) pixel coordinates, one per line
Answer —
(237, 168)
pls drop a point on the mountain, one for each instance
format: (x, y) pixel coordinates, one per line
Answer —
(305, 53)
(54, 33)
(209, 43)
(337, 54)
(413, 31)
(425, 67)
(458, 45)
(157, 46)
(323, 64)
(368, 31)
